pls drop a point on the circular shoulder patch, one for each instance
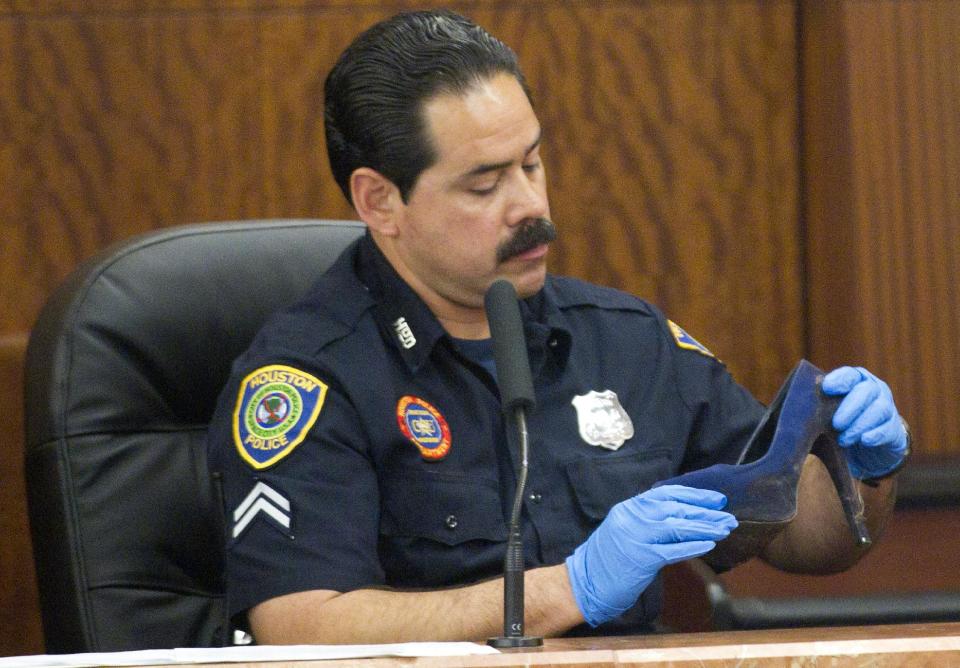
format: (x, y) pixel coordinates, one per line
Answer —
(424, 426)
(276, 407)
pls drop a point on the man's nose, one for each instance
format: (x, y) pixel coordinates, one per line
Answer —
(529, 201)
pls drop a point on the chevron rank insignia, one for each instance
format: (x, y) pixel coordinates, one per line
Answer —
(276, 407)
(266, 503)
(684, 340)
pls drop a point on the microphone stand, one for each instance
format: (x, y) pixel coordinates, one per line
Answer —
(516, 395)
(513, 567)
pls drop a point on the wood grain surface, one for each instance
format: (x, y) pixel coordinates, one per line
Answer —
(883, 201)
(671, 143)
(671, 148)
(917, 553)
(673, 155)
(20, 630)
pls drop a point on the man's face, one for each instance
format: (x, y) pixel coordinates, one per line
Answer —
(487, 186)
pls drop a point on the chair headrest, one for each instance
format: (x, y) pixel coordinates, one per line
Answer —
(141, 337)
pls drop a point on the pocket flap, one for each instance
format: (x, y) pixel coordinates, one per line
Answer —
(441, 507)
(601, 482)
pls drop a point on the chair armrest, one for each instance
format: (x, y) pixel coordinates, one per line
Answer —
(751, 612)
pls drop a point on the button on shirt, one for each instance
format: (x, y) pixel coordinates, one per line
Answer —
(358, 504)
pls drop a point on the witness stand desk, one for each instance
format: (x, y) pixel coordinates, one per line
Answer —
(895, 645)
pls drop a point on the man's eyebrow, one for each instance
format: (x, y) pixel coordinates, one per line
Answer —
(496, 166)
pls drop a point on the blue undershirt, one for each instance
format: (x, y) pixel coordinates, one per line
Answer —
(478, 351)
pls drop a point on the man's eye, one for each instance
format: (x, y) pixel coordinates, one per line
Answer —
(531, 167)
(483, 191)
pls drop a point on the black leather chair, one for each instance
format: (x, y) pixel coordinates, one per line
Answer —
(123, 369)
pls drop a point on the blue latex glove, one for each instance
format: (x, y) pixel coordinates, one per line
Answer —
(638, 537)
(872, 434)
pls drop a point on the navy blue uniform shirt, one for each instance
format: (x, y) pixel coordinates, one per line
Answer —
(360, 447)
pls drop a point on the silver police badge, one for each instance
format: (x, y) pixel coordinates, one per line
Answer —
(602, 420)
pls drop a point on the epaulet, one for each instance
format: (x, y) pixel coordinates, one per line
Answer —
(319, 318)
(572, 292)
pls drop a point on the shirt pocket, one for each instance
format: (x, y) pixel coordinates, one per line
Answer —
(599, 483)
(445, 508)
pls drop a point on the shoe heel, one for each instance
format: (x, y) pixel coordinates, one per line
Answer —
(829, 452)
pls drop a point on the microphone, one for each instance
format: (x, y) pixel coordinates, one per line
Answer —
(509, 347)
(516, 397)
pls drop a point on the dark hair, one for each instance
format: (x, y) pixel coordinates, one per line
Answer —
(375, 93)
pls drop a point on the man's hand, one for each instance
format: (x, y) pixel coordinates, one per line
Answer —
(640, 536)
(872, 434)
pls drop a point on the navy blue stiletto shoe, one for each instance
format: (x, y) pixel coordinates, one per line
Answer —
(761, 488)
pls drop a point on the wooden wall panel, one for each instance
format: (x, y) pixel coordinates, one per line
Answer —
(881, 208)
(917, 553)
(882, 80)
(672, 154)
(128, 123)
(671, 150)
(672, 147)
(20, 630)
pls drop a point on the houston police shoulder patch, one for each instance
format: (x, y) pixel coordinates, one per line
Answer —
(276, 407)
(684, 340)
(424, 426)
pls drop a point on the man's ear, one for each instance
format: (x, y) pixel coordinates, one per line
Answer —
(376, 199)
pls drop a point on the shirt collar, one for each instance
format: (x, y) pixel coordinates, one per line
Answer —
(402, 316)
(405, 319)
(545, 326)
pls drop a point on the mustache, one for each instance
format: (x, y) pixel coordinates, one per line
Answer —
(531, 234)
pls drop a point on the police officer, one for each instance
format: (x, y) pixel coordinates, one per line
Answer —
(366, 472)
